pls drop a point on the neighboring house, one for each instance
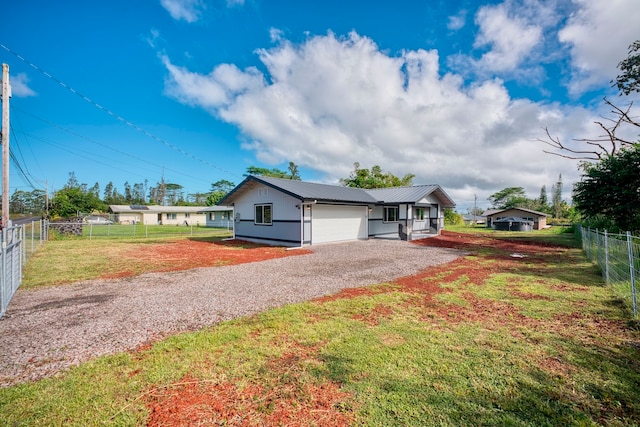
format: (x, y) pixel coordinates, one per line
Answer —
(474, 219)
(539, 219)
(295, 213)
(218, 216)
(154, 214)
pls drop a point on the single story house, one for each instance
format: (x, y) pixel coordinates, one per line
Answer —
(154, 214)
(296, 213)
(218, 216)
(470, 219)
(539, 219)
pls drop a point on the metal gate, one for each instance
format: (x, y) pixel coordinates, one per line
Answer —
(11, 265)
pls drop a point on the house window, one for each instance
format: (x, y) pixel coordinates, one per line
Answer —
(171, 216)
(419, 215)
(187, 215)
(391, 214)
(212, 216)
(263, 214)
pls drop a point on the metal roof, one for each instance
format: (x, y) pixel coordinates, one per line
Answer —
(490, 212)
(154, 209)
(216, 209)
(411, 194)
(304, 191)
(309, 191)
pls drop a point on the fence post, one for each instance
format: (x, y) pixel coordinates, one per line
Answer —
(632, 274)
(606, 257)
(4, 294)
(598, 249)
(33, 236)
(589, 243)
(23, 246)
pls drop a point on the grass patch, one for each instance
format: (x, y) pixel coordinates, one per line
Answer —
(534, 341)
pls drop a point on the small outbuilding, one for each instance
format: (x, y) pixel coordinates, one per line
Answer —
(539, 219)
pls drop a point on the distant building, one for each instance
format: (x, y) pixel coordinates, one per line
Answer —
(539, 219)
(218, 216)
(162, 215)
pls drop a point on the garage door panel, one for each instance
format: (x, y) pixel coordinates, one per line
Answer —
(334, 223)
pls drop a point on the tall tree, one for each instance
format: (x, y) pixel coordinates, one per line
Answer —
(375, 178)
(158, 192)
(629, 80)
(275, 172)
(95, 190)
(128, 197)
(607, 194)
(556, 201)
(174, 194)
(138, 193)
(108, 193)
(219, 189)
(543, 200)
(294, 173)
(72, 182)
(510, 197)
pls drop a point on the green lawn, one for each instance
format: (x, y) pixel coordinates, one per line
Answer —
(485, 340)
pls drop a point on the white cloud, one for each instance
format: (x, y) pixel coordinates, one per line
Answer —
(20, 87)
(510, 38)
(599, 34)
(457, 22)
(332, 101)
(187, 10)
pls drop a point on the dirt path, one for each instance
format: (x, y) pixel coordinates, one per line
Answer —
(47, 330)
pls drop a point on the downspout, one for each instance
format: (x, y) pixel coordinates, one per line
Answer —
(303, 207)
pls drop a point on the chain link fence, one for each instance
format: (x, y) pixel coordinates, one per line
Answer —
(18, 243)
(618, 256)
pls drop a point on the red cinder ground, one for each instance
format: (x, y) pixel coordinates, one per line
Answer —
(194, 402)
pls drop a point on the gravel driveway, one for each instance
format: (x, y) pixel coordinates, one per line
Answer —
(49, 329)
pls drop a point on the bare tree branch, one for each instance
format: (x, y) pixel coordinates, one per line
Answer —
(602, 150)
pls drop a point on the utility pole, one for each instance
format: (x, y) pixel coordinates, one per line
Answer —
(475, 208)
(6, 94)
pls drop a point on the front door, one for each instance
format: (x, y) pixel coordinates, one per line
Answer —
(420, 218)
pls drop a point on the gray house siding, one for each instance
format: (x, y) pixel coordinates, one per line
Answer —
(285, 227)
(377, 225)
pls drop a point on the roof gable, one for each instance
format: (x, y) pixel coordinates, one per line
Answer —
(413, 194)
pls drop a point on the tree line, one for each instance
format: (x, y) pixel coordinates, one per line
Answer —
(515, 197)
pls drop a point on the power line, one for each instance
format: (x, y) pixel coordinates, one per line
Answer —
(114, 115)
(124, 153)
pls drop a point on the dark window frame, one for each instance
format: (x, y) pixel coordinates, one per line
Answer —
(262, 215)
(387, 217)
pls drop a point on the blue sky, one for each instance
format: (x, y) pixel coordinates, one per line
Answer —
(455, 92)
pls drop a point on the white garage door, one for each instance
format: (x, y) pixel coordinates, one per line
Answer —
(334, 223)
